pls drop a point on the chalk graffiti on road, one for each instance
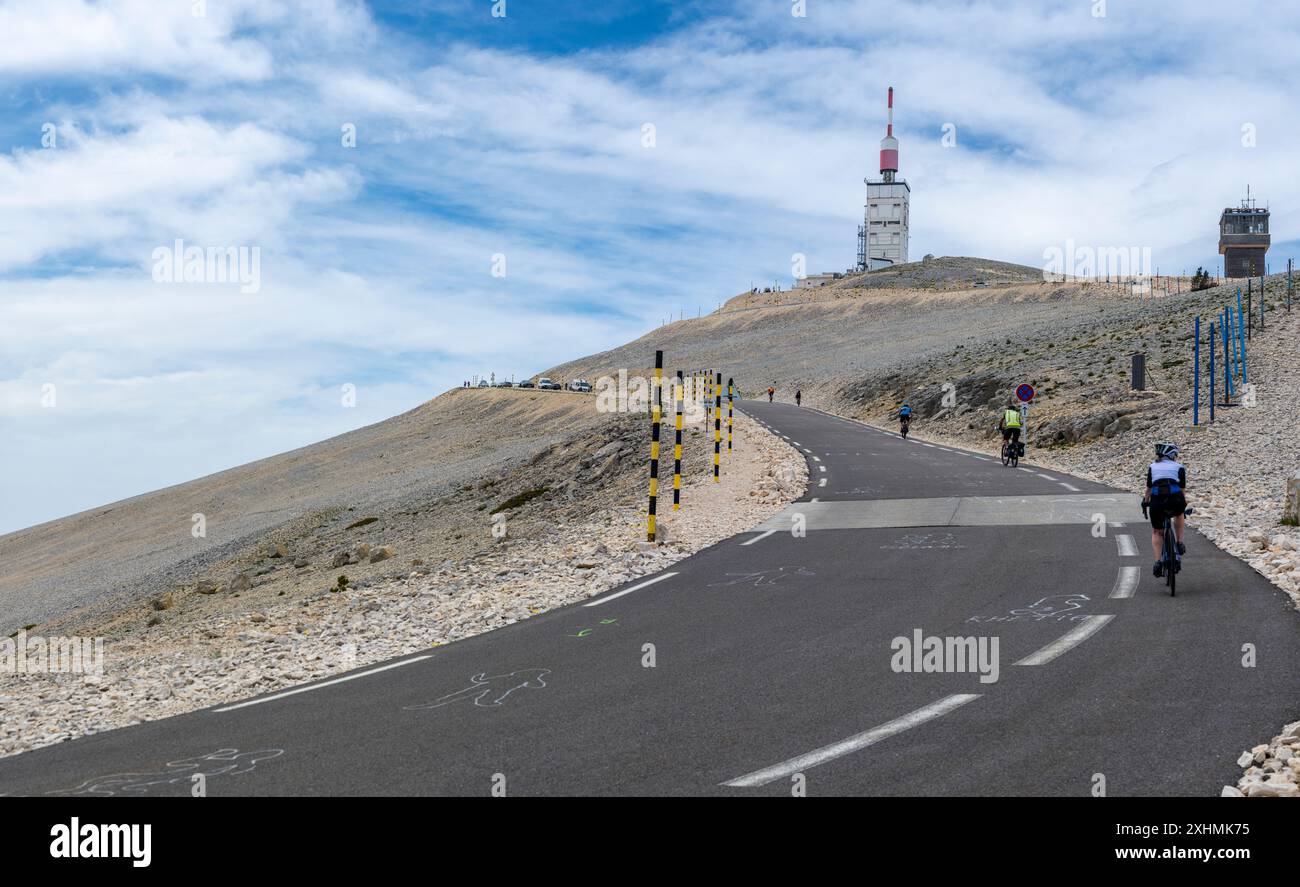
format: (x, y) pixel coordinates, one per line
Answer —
(585, 632)
(925, 540)
(489, 691)
(222, 762)
(1053, 608)
(760, 578)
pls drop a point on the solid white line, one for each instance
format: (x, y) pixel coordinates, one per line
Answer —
(296, 691)
(1072, 489)
(1125, 583)
(853, 743)
(762, 535)
(636, 587)
(1087, 627)
(1127, 547)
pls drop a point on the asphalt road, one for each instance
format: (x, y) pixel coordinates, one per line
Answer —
(775, 662)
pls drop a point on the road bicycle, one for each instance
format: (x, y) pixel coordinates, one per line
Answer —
(1010, 453)
(1171, 563)
(902, 428)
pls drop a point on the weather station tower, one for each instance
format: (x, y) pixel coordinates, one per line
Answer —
(1243, 239)
(882, 236)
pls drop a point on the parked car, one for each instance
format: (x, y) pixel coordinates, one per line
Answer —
(483, 383)
(527, 383)
(506, 384)
(545, 384)
(581, 385)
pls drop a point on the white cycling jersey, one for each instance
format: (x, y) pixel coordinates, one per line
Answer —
(1167, 469)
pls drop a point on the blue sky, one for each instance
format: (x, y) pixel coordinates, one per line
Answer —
(523, 137)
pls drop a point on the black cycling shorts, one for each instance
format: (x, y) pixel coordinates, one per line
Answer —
(1011, 434)
(1161, 506)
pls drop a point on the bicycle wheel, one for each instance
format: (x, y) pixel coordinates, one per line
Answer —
(1015, 457)
(1171, 558)
(1006, 455)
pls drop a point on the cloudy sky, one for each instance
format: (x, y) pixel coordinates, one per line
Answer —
(129, 125)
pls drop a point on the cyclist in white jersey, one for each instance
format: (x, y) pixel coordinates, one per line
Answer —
(1166, 482)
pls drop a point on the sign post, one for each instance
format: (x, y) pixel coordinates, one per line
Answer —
(1025, 393)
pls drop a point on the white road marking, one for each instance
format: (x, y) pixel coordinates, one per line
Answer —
(1127, 547)
(931, 446)
(822, 482)
(853, 743)
(821, 467)
(1072, 489)
(815, 499)
(636, 587)
(1029, 470)
(1047, 477)
(816, 459)
(981, 458)
(762, 535)
(297, 690)
(1125, 583)
(1086, 628)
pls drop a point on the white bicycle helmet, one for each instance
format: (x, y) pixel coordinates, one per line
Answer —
(1166, 450)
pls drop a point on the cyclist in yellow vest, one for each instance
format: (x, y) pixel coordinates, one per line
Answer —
(1010, 424)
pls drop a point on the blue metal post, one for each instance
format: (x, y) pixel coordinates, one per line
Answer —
(1229, 351)
(1241, 337)
(1212, 347)
(1196, 372)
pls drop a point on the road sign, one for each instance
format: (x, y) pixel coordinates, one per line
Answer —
(1025, 393)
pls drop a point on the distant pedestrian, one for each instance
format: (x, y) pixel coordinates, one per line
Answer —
(770, 391)
(798, 397)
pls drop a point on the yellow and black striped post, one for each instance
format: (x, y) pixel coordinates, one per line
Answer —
(731, 399)
(678, 396)
(654, 446)
(717, 430)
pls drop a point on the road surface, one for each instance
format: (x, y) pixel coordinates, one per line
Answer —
(775, 661)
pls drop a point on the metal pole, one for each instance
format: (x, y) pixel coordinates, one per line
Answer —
(654, 447)
(1196, 372)
(717, 431)
(678, 398)
(1212, 347)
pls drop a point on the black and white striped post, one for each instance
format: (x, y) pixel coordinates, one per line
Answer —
(678, 398)
(654, 446)
(717, 430)
(731, 400)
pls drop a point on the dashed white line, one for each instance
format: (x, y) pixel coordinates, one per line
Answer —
(637, 587)
(816, 459)
(1087, 627)
(762, 535)
(1125, 583)
(822, 482)
(1127, 547)
(1047, 477)
(296, 691)
(1071, 488)
(853, 743)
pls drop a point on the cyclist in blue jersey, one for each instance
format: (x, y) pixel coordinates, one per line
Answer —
(904, 418)
(1165, 497)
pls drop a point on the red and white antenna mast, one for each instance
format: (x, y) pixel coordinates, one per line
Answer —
(889, 145)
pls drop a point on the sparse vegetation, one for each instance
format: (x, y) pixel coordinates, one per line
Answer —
(521, 499)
